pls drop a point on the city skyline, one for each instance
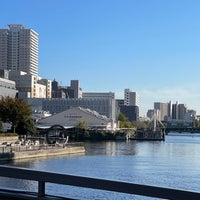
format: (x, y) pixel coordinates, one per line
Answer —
(151, 47)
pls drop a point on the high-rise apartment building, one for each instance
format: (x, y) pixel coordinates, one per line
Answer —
(19, 49)
(130, 98)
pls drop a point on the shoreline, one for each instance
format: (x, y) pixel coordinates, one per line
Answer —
(39, 152)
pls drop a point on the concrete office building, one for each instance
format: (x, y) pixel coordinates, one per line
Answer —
(172, 112)
(130, 98)
(182, 109)
(19, 49)
(175, 111)
(77, 89)
(104, 106)
(120, 102)
(179, 111)
(47, 84)
(7, 87)
(103, 97)
(65, 92)
(98, 95)
(129, 106)
(131, 112)
(30, 86)
(162, 110)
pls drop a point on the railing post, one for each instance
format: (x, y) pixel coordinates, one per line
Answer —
(41, 188)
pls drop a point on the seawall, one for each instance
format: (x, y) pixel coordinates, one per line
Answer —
(9, 139)
(36, 153)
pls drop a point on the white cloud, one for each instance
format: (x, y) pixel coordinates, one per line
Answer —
(189, 95)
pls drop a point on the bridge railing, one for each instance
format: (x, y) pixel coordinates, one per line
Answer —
(116, 186)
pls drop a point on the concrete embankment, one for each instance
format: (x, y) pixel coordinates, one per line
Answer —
(10, 139)
(14, 153)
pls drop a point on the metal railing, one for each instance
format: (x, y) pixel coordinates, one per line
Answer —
(21, 148)
(116, 186)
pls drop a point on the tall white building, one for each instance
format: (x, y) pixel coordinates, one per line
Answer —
(19, 49)
(130, 98)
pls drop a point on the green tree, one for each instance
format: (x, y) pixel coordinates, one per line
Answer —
(141, 124)
(26, 127)
(82, 124)
(122, 117)
(14, 111)
(197, 123)
(124, 122)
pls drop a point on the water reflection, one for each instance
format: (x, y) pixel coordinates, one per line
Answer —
(174, 163)
(112, 148)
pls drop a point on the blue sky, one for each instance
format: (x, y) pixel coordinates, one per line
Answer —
(149, 46)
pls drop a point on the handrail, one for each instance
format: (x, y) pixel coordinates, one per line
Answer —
(23, 148)
(93, 183)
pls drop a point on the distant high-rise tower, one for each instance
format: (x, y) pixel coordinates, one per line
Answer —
(130, 98)
(163, 110)
(19, 49)
(76, 87)
(175, 111)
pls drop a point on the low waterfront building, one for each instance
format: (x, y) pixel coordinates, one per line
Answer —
(70, 118)
(38, 115)
(104, 106)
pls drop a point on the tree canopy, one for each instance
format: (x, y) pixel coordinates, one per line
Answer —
(26, 127)
(82, 124)
(124, 122)
(14, 111)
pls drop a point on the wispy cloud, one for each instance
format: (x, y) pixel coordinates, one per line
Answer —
(189, 95)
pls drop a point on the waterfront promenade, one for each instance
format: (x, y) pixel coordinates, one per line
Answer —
(35, 151)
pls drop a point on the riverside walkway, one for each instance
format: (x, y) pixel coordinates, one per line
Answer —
(32, 151)
(116, 186)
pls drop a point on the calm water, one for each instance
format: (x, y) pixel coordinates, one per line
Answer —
(172, 163)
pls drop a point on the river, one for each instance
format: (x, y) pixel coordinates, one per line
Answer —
(173, 163)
